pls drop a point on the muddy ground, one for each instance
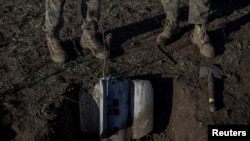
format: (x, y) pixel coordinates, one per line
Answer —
(39, 98)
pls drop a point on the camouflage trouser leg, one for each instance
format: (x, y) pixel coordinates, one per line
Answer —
(171, 8)
(54, 12)
(91, 10)
(198, 11)
(53, 17)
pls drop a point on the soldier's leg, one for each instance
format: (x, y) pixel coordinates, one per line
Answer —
(198, 15)
(53, 19)
(91, 14)
(171, 28)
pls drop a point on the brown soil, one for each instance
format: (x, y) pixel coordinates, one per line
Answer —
(39, 99)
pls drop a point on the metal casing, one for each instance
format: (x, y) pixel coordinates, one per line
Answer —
(125, 105)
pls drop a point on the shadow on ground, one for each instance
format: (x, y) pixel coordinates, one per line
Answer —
(220, 36)
(7, 133)
(67, 123)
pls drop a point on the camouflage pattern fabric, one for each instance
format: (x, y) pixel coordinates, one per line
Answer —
(54, 10)
(198, 10)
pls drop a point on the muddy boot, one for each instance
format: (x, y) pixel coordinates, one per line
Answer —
(57, 52)
(171, 29)
(89, 40)
(201, 39)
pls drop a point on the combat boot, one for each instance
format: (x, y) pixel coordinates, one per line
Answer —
(171, 29)
(89, 40)
(57, 52)
(201, 39)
